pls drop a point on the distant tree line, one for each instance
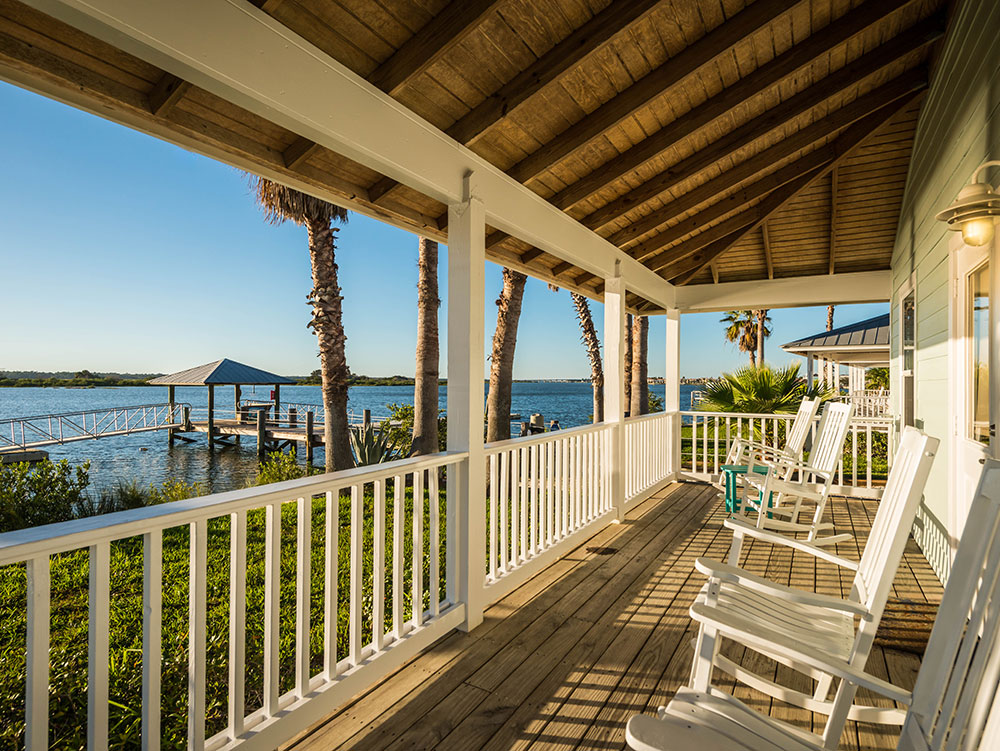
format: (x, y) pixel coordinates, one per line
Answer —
(82, 378)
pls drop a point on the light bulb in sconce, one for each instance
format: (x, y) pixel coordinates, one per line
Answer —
(978, 231)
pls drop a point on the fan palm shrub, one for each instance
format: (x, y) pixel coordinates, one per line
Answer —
(761, 389)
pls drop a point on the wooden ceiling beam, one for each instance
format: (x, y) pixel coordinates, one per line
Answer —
(906, 86)
(432, 42)
(566, 55)
(654, 84)
(688, 258)
(167, 92)
(812, 47)
(834, 187)
(915, 38)
(299, 151)
(531, 254)
(765, 232)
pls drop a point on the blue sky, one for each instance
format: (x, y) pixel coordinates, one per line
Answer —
(124, 253)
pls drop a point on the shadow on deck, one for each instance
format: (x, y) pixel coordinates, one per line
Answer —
(566, 659)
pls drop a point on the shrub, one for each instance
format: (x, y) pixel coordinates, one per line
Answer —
(373, 445)
(279, 467)
(43, 493)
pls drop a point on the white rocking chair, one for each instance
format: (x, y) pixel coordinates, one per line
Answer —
(955, 703)
(769, 617)
(744, 451)
(788, 495)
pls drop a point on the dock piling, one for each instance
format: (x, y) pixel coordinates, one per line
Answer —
(309, 437)
(261, 433)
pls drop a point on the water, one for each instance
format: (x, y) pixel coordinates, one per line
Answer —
(146, 458)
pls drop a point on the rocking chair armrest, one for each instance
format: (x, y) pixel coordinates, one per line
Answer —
(757, 634)
(760, 447)
(777, 485)
(740, 528)
(735, 575)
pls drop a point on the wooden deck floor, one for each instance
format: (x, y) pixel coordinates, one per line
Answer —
(604, 633)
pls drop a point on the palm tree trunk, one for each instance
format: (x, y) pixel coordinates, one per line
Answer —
(425, 387)
(328, 323)
(753, 359)
(761, 325)
(628, 362)
(640, 381)
(829, 318)
(593, 345)
(502, 357)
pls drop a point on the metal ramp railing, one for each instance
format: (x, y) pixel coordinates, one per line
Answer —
(20, 433)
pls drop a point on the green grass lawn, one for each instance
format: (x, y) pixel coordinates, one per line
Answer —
(69, 622)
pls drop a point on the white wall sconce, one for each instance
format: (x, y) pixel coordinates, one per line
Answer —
(974, 212)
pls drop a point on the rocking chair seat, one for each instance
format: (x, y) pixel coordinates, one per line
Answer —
(695, 721)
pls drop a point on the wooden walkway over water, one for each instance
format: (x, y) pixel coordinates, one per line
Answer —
(604, 633)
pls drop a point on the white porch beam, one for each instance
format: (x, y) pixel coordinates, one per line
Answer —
(839, 289)
(238, 52)
(614, 384)
(672, 381)
(466, 517)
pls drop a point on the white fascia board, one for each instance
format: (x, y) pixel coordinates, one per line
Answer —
(238, 52)
(793, 292)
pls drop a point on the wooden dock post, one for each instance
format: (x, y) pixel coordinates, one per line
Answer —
(211, 415)
(237, 395)
(309, 437)
(187, 419)
(293, 417)
(366, 418)
(277, 400)
(170, 401)
(261, 433)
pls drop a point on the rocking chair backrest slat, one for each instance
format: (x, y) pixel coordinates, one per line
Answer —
(956, 705)
(826, 450)
(799, 431)
(893, 520)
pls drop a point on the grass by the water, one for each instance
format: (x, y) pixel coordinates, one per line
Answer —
(69, 621)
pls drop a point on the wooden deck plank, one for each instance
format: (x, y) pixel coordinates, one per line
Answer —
(563, 661)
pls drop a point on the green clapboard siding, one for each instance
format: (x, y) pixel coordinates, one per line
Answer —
(959, 128)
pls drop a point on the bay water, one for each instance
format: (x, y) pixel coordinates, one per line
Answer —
(145, 458)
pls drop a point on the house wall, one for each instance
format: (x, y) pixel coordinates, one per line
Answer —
(959, 128)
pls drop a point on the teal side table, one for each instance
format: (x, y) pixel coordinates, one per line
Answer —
(730, 472)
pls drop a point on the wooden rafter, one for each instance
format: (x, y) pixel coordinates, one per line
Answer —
(685, 260)
(654, 84)
(167, 92)
(905, 86)
(834, 189)
(563, 57)
(442, 33)
(299, 152)
(765, 232)
(817, 158)
(794, 107)
(782, 66)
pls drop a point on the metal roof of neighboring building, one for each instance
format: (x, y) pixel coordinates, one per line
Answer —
(222, 372)
(869, 334)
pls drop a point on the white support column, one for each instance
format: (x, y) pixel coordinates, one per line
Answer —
(614, 384)
(994, 323)
(672, 397)
(467, 487)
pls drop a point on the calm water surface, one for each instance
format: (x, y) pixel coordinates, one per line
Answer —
(146, 457)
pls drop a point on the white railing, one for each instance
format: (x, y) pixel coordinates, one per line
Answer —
(647, 453)
(871, 403)
(544, 492)
(19, 433)
(707, 436)
(396, 601)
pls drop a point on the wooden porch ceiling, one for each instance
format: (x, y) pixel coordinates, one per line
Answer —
(714, 141)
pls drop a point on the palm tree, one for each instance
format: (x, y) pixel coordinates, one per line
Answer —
(502, 356)
(640, 381)
(829, 318)
(280, 204)
(426, 380)
(628, 362)
(741, 330)
(761, 389)
(763, 331)
(588, 334)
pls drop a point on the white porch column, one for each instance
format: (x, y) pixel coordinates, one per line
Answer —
(467, 487)
(614, 385)
(672, 398)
